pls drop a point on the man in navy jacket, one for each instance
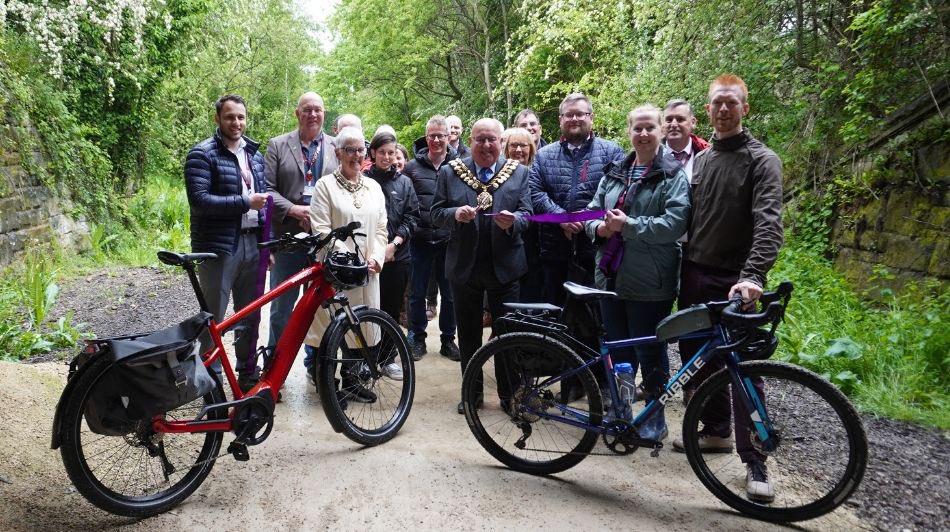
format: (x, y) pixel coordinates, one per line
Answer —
(564, 177)
(224, 179)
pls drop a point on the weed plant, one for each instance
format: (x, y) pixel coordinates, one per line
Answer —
(27, 294)
(892, 357)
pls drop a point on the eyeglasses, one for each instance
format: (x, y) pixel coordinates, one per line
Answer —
(485, 140)
(575, 115)
(436, 136)
(350, 150)
(517, 146)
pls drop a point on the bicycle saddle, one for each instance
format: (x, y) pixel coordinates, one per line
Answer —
(177, 259)
(542, 307)
(586, 293)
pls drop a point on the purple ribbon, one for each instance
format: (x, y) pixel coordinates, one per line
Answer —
(263, 261)
(562, 217)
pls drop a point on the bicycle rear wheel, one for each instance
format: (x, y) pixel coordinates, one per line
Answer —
(139, 473)
(502, 392)
(821, 453)
(367, 410)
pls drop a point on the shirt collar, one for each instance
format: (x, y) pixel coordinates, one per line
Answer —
(688, 149)
(478, 169)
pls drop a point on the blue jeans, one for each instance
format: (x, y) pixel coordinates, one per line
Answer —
(633, 319)
(429, 259)
(286, 264)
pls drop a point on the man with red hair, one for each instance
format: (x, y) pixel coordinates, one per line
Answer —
(734, 237)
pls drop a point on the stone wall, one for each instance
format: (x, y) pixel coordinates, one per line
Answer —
(29, 211)
(903, 224)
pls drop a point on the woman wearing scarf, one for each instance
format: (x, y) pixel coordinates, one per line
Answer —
(647, 202)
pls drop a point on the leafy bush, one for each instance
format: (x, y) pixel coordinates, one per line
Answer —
(893, 359)
(27, 294)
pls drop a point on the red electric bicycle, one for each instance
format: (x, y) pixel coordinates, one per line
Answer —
(135, 454)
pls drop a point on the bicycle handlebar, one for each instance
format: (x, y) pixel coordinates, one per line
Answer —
(313, 242)
(774, 304)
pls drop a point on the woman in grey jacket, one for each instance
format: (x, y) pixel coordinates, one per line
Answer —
(647, 202)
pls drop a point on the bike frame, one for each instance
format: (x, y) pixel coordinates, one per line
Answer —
(716, 338)
(272, 378)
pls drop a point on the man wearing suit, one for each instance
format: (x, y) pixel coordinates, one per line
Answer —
(485, 254)
(293, 164)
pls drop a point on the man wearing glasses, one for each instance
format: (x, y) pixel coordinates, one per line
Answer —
(564, 177)
(482, 200)
(429, 241)
(292, 165)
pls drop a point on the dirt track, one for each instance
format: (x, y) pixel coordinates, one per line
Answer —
(433, 475)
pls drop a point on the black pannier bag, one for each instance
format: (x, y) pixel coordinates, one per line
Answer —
(151, 375)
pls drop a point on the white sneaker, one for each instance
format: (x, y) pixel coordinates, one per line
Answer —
(757, 484)
(393, 371)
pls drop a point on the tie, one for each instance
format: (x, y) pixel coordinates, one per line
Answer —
(485, 175)
(681, 156)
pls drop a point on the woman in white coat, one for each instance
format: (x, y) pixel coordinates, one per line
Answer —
(339, 198)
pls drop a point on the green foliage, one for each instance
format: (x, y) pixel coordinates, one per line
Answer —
(27, 294)
(892, 359)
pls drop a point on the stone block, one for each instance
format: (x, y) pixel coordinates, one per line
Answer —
(933, 163)
(906, 253)
(9, 208)
(940, 260)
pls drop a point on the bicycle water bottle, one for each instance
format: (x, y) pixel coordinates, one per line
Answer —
(623, 372)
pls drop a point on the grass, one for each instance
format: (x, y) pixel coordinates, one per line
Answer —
(156, 218)
(891, 357)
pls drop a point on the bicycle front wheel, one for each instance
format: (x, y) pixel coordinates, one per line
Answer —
(137, 472)
(368, 410)
(821, 449)
(504, 391)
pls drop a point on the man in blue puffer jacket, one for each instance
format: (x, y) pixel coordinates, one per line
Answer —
(224, 179)
(564, 177)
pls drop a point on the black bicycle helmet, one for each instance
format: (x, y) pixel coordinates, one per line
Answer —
(345, 269)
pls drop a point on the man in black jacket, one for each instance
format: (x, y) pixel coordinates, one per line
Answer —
(428, 243)
(485, 256)
(735, 233)
(224, 179)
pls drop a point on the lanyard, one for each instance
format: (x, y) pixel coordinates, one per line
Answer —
(246, 173)
(310, 163)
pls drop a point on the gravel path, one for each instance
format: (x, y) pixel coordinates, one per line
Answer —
(907, 486)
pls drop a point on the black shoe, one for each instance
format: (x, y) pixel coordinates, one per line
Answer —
(312, 375)
(246, 382)
(450, 350)
(418, 348)
(359, 394)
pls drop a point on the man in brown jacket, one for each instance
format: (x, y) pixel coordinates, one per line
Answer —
(734, 237)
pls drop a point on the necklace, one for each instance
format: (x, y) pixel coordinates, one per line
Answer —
(351, 187)
(483, 201)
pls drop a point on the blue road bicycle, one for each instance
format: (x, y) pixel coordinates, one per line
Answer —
(518, 406)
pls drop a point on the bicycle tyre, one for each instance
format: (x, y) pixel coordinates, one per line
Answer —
(520, 361)
(822, 452)
(367, 423)
(118, 473)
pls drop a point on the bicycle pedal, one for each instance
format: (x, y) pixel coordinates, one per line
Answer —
(239, 451)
